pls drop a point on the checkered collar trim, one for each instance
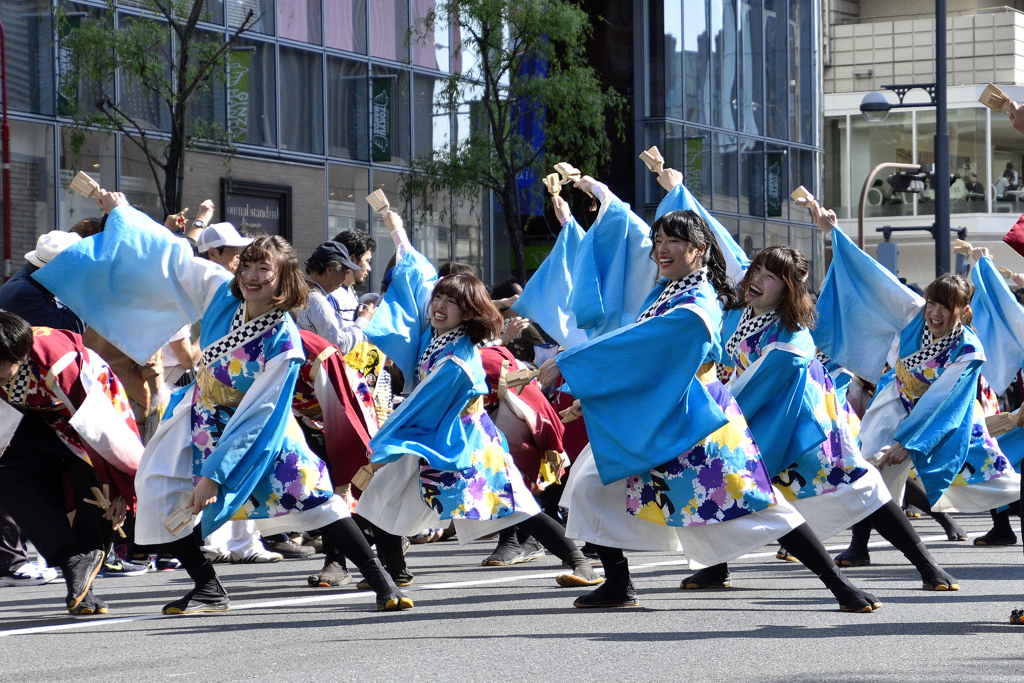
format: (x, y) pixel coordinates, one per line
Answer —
(749, 325)
(673, 289)
(932, 347)
(440, 341)
(241, 333)
(17, 390)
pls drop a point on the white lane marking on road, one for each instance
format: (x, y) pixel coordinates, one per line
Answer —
(338, 597)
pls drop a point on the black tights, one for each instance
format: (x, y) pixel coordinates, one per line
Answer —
(893, 525)
(342, 534)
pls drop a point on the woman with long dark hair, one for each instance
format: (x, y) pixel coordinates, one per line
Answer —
(797, 419)
(672, 465)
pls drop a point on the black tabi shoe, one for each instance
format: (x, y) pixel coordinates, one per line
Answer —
(1017, 617)
(609, 595)
(583, 573)
(507, 553)
(532, 549)
(79, 573)
(785, 555)
(852, 557)
(389, 598)
(333, 574)
(90, 605)
(210, 597)
(710, 577)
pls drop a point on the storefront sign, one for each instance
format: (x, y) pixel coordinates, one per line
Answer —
(256, 205)
(380, 119)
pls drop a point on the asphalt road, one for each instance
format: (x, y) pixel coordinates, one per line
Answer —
(515, 624)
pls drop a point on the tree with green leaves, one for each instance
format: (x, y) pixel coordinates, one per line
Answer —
(532, 99)
(164, 61)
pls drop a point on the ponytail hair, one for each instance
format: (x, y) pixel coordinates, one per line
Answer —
(691, 226)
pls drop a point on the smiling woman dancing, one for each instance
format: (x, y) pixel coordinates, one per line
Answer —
(228, 446)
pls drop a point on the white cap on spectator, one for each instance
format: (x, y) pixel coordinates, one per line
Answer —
(220, 235)
(49, 245)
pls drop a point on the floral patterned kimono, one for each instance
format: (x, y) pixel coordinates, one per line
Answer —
(446, 458)
(230, 424)
(74, 391)
(927, 398)
(800, 425)
(671, 463)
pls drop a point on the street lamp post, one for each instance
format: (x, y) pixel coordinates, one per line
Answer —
(875, 106)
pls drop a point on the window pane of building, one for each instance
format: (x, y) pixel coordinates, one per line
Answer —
(97, 158)
(750, 108)
(390, 130)
(723, 58)
(430, 45)
(469, 233)
(252, 111)
(299, 20)
(834, 181)
(302, 101)
(75, 95)
(389, 26)
(697, 165)
(666, 50)
(776, 69)
(345, 25)
(431, 123)
(32, 194)
(808, 177)
(262, 11)
(207, 112)
(348, 116)
(696, 62)
(144, 104)
(804, 75)
(433, 223)
(776, 234)
(1007, 158)
(29, 55)
(347, 187)
(751, 237)
(776, 186)
(873, 144)
(752, 180)
(137, 181)
(726, 176)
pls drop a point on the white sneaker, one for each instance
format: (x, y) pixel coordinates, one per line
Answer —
(29, 574)
(216, 555)
(255, 556)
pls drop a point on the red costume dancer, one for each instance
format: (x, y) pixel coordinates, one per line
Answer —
(335, 409)
(76, 424)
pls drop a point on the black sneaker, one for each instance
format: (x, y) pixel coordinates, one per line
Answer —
(79, 573)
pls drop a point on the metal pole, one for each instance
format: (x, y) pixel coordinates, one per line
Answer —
(5, 138)
(864, 194)
(941, 145)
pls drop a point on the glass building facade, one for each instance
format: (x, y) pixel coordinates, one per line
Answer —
(732, 99)
(727, 89)
(296, 101)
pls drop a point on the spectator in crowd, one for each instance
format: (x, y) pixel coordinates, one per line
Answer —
(221, 243)
(326, 272)
(360, 247)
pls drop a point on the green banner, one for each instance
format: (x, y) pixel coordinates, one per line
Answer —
(380, 119)
(238, 92)
(774, 184)
(693, 162)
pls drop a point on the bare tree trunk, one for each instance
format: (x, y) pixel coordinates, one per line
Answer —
(514, 226)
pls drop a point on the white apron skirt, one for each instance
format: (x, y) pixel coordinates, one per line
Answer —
(597, 514)
(393, 502)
